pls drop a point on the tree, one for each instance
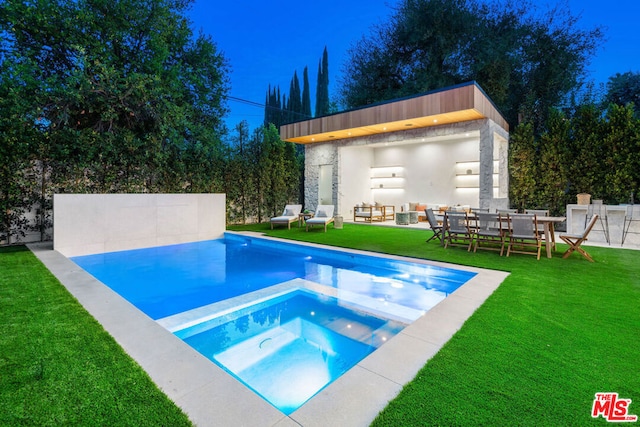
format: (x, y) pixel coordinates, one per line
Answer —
(587, 152)
(15, 141)
(298, 106)
(273, 110)
(238, 179)
(121, 95)
(322, 87)
(623, 89)
(275, 173)
(523, 167)
(526, 61)
(621, 143)
(306, 96)
(554, 183)
(294, 104)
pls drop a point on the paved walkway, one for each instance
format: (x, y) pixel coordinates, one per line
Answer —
(211, 397)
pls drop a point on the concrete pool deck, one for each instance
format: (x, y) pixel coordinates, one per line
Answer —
(210, 396)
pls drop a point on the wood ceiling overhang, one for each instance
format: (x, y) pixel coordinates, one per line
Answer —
(446, 106)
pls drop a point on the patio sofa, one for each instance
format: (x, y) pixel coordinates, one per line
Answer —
(420, 207)
(370, 212)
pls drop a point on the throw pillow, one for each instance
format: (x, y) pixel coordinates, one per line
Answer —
(321, 214)
(288, 212)
(412, 206)
(421, 208)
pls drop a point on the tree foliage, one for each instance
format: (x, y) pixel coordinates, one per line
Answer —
(322, 87)
(623, 89)
(526, 60)
(581, 151)
(282, 110)
(113, 96)
(262, 175)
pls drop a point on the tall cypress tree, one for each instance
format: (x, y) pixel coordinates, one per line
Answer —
(322, 89)
(297, 106)
(295, 99)
(306, 97)
(273, 107)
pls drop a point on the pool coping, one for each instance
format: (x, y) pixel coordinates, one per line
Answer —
(210, 396)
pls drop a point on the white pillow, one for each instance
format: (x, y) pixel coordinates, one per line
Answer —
(288, 212)
(321, 214)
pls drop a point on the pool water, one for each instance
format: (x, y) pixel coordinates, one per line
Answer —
(166, 280)
(285, 319)
(289, 348)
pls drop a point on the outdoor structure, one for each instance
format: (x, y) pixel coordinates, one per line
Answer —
(95, 223)
(446, 147)
(621, 223)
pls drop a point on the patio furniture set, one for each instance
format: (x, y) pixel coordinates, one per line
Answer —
(523, 233)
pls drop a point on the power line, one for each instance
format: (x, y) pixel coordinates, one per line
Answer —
(270, 107)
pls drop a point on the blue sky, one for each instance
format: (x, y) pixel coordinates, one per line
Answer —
(265, 41)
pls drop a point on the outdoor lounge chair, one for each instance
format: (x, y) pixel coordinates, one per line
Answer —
(323, 216)
(435, 227)
(289, 215)
(575, 240)
(523, 233)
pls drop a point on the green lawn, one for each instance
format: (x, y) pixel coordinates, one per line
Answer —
(58, 366)
(554, 333)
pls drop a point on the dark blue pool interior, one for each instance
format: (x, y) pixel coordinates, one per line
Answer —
(167, 280)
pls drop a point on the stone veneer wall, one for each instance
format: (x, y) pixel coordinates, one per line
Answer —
(95, 223)
(493, 141)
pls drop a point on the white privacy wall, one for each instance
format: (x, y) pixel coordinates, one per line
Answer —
(95, 223)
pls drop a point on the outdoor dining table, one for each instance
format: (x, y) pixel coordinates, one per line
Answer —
(549, 232)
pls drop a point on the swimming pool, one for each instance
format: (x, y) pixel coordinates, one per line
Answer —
(196, 289)
(166, 280)
(289, 347)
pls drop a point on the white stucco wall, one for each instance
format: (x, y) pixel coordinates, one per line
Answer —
(95, 223)
(354, 182)
(449, 164)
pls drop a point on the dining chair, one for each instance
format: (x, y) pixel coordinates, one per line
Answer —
(490, 231)
(575, 240)
(523, 234)
(538, 213)
(435, 227)
(460, 229)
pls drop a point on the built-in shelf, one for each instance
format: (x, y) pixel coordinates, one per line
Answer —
(471, 169)
(387, 178)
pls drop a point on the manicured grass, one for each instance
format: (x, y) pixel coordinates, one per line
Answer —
(554, 333)
(58, 366)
